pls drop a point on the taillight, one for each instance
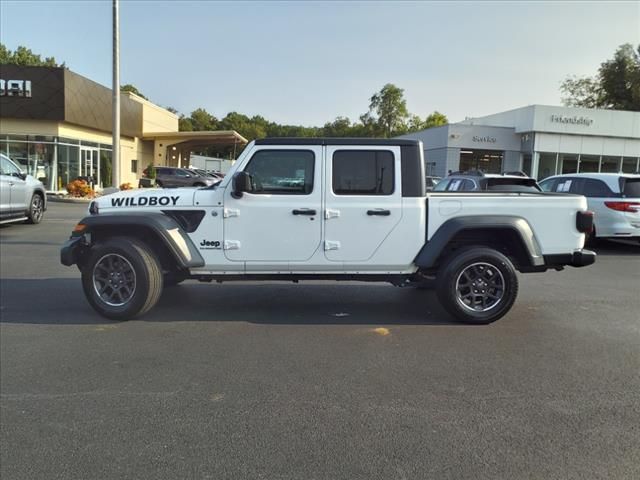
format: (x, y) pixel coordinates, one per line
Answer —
(584, 222)
(633, 207)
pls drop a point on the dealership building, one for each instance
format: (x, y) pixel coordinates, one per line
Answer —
(540, 140)
(57, 125)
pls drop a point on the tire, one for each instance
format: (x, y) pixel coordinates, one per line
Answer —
(158, 184)
(36, 209)
(137, 267)
(477, 285)
(592, 240)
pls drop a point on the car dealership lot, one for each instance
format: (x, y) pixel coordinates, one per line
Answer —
(316, 380)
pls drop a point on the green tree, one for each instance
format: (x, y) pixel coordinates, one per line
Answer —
(133, 89)
(25, 57)
(435, 119)
(390, 107)
(202, 120)
(615, 86)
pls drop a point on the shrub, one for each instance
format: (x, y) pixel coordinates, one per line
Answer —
(80, 188)
(126, 186)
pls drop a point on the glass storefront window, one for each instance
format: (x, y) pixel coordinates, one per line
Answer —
(610, 164)
(487, 161)
(68, 165)
(106, 172)
(589, 163)
(526, 163)
(546, 165)
(19, 153)
(630, 165)
(41, 163)
(567, 163)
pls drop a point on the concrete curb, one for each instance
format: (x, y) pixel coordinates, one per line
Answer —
(54, 198)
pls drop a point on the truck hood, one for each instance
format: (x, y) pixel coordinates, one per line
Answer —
(147, 198)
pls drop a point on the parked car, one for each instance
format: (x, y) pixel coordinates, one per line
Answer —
(478, 181)
(22, 197)
(180, 177)
(206, 173)
(431, 182)
(613, 197)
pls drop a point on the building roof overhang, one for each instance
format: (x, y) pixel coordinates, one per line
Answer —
(217, 137)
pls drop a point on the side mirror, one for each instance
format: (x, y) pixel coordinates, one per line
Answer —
(242, 182)
(21, 175)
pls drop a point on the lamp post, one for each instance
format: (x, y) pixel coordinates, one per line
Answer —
(115, 152)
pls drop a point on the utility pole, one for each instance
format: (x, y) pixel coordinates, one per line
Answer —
(115, 152)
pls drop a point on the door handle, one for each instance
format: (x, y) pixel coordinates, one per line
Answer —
(379, 211)
(303, 211)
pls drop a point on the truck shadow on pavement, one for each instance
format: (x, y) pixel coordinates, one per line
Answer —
(62, 302)
(616, 247)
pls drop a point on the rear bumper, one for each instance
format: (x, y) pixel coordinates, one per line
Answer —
(579, 258)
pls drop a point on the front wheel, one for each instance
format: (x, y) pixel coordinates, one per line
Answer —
(36, 209)
(121, 278)
(477, 285)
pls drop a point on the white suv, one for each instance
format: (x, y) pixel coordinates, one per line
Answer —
(613, 197)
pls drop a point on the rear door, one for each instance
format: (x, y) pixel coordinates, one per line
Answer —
(6, 180)
(363, 202)
(630, 188)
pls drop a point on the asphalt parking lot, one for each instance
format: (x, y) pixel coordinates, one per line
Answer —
(316, 380)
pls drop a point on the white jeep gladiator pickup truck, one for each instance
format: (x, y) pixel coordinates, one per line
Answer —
(326, 209)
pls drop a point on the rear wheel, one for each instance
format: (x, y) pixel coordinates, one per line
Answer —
(158, 184)
(477, 285)
(121, 278)
(36, 209)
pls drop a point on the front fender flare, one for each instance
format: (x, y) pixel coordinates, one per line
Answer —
(164, 227)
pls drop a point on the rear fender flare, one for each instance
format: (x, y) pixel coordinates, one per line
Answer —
(432, 250)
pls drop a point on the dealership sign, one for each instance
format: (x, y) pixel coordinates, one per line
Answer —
(486, 139)
(575, 120)
(15, 88)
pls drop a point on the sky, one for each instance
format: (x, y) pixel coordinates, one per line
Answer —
(306, 63)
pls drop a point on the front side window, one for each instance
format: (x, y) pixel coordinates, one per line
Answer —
(363, 172)
(284, 172)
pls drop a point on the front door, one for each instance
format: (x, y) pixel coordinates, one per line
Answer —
(89, 164)
(363, 200)
(279, 221)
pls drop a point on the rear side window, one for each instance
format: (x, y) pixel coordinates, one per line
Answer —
(461, 185)
(363, 172)
(596, 188)
(631, 187)
(285, 172)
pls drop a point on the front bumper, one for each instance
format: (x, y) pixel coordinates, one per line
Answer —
(579, 258)
(69, 253)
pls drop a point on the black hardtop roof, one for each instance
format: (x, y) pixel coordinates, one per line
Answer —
(336, 141)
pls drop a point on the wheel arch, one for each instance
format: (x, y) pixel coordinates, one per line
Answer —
(162, 234)
(511, 235)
